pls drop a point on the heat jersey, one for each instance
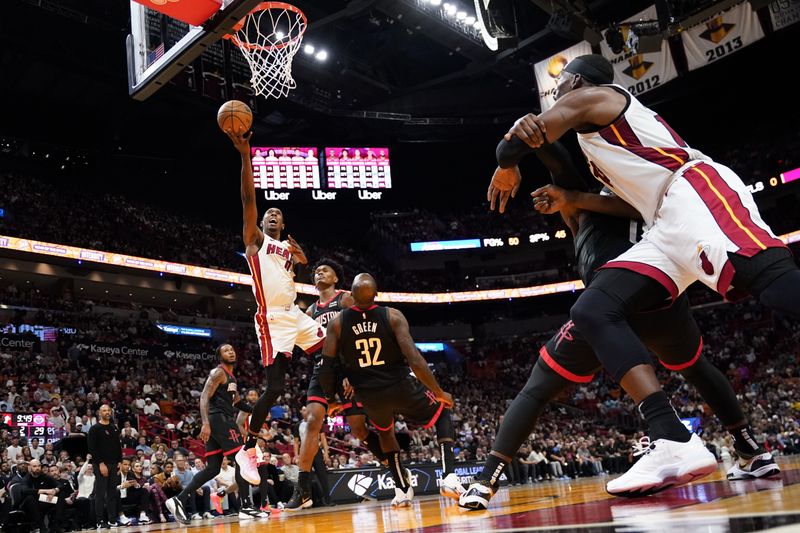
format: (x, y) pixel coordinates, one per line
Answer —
(273, 275)
(368, 349)
(222, 400)
(637, 155)
(325, 312)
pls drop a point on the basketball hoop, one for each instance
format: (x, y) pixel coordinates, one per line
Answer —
(269, 37)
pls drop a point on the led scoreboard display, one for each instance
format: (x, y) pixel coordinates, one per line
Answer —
(329, 173)
(358, 168)
(285, 167)
(30, 425)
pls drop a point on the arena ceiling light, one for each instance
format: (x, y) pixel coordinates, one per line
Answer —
(490, 25)
(452, 13)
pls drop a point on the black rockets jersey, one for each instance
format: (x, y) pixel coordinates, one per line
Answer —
(325, 312)
(600, 239)
(222, 400)
(368, 349)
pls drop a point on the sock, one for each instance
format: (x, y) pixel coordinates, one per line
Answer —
(397, 470)
(251, 442)
(662, 419)
(492, 470)
(448, 457)
(304, 482)
(744, 442)
(373, 443)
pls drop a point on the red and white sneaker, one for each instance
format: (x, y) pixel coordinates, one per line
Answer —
(216, 502)
(248, 465)
(664, 464)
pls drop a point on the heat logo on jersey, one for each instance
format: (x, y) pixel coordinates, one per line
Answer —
(280, 251)
(703, 261)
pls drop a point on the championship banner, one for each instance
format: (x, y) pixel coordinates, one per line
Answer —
(353, 485)
(784, 13)
(548, 70)
(640, 73)
(721, 35)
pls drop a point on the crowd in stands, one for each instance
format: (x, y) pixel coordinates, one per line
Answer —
(162, 234)
(589, 431)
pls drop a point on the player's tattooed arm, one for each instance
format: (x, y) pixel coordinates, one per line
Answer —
(215, 379)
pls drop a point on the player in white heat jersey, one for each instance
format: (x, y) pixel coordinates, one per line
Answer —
(280, 324)
(702, 225)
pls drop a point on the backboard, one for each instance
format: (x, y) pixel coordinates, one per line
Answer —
(160, 46)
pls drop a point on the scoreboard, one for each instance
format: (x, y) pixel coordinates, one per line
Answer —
(330, 173)
(32, 425)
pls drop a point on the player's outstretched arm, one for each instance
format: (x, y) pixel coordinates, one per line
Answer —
(215, 378)
(415, 360)
(251, 234)
(551, 199)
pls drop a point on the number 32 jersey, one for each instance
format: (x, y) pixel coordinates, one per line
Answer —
(369, 350)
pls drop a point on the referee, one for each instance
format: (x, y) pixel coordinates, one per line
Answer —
(106, 450)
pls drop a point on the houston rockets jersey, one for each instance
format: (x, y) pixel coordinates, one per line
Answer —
(273, 274)
(637, 155)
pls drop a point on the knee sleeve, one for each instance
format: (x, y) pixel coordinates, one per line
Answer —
(444, 426)
(602, 320)
(782, 293)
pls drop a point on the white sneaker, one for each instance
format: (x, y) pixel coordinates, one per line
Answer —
(664, 464)
(451, 487)
(197, 516)
(762, 465)
(143, 518)
(124, 520)
(248, 465)
(477, 496)
(401, 498)
(208, 516)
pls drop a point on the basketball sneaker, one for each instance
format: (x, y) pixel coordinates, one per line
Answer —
(477, 495)
(664, 464)
(251, 513)
(248, 465)
(451, 487)
(403, 498)
(301, 499)
(216, 501)
(762, 465)
(175, 506)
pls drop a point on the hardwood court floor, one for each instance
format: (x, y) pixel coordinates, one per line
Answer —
(711, 505)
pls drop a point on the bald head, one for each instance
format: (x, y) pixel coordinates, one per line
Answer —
(364, 290)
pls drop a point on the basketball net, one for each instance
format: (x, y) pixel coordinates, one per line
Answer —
(269, 37)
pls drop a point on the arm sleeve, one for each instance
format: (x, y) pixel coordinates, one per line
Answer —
(554, 156)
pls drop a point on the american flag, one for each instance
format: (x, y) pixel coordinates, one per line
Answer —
(153, 56)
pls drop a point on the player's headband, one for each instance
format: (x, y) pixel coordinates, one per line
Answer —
(593, 68)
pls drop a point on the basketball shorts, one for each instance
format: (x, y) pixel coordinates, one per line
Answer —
(408, 397)
(706, 215)
(350, 407)
(225, 436)
(279, 329)
(671, 334)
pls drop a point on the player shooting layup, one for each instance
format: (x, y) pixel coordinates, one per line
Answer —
(280, 324)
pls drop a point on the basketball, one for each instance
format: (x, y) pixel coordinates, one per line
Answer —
(234, 117)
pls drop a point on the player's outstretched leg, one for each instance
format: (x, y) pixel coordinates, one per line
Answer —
(309, 446)
(445, 435)
(276, 380)
(518, 423)
(177, 504)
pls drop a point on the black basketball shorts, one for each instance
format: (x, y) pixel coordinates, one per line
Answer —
(225, 435)
(671, 334)
(408, 397)
(316, 394)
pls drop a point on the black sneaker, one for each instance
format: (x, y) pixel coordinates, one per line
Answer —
(175, 506)
(251, 513)
(759, 466)
(477, 495)
(300, 500)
